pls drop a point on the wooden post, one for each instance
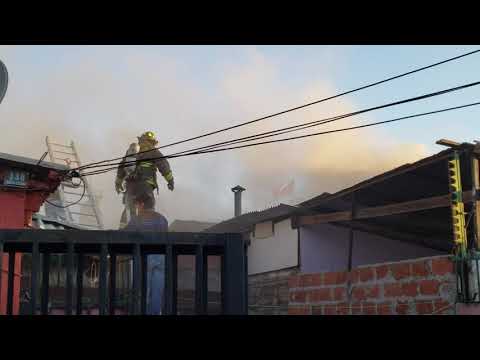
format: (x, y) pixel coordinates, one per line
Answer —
(476, 203)
(351, 234)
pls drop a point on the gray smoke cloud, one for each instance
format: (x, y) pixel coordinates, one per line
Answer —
(104, 107)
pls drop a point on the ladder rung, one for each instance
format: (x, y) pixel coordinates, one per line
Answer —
(82, 214)
(62, 152)
(70, 193)
(95, 226)
(65, 146)
(75, 161)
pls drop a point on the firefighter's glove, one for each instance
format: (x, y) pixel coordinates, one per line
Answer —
(171, 185)
(119, 186)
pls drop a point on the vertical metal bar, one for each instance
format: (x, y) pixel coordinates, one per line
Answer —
(200, 281)
(11, 281)
(34, 274)
(1, 267)
(113, 283)
(236, 287)
(222, 280)
(478, 281)
(170, 281)
(45, 282)
(80, 267)
(351, 233)
(137, 278)
(103, 280)
(144, 271)
(475, 203)
(69, 280)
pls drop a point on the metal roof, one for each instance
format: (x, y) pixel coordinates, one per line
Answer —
(245, 222)
(189, 226)
(46, 223)
(30, 163)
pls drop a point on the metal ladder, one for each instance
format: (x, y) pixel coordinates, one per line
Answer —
(86, 213)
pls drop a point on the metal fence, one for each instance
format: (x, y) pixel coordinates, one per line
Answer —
(109, 245)
(467, 270)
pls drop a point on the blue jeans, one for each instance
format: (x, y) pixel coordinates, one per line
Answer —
(155, 284)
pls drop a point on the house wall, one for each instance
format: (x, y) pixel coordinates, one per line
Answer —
(422, 286)
(276, 252)
(324, 247)
(268, 292)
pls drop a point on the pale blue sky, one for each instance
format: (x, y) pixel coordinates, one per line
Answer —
(296, 66)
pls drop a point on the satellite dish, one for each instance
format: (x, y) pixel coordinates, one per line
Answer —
(3, 80)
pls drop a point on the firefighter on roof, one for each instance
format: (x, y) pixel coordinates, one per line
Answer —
(141, 177)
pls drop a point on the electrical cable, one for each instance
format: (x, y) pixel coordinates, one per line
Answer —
(304, 105)
(74, 203)
(302, 136)
(313, 123)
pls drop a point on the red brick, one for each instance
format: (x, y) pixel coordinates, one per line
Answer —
(419, 269)
(429, 287)
(393, 290)
(317, 310)
(400, 271)
(409, 289)
(372, 292)
(441, 306)
(298, 310)
(330, 310)
(402, 308)
(381, 272)
(306, 280)
(343, 309)
(334, 278)
(293, 281)
(356, 309)
(369, 308)
(384, 308)
(339, 293)
(442, 266)
(320, 295)
(317, 279)
(354, 276)
(298, 296)
(366, 274)
(358, 293)
(424, 307)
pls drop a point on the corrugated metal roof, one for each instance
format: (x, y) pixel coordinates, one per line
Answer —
(189, 226)
(29, 162)
(46, 223)
(245, 222)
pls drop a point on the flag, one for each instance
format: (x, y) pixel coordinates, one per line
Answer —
(284, 190)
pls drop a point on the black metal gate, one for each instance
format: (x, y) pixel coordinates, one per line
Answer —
(109, 245)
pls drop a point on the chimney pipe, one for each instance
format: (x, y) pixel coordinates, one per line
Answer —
(237, 190)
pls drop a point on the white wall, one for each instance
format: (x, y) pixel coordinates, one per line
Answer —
(275, 252)
(324, 247)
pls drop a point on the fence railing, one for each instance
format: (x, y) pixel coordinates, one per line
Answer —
(108, 245)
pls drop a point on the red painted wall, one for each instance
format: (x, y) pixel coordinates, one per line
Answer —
(16, 209)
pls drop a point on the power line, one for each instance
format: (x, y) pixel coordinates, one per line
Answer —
(302, 106)
(74, 203)
(296, 127)
(305, 136)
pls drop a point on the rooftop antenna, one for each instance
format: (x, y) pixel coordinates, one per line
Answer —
(3, 80)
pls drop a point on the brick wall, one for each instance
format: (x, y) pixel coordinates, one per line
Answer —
(268, 292)
(421, 286)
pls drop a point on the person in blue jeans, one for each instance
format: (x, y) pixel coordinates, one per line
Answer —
(147, 219)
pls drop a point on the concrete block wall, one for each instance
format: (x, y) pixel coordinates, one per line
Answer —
(268, 293)
(420, 286)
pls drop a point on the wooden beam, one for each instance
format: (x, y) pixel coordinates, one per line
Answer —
(385, 210)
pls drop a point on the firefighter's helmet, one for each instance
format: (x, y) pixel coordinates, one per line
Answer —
(148, 136)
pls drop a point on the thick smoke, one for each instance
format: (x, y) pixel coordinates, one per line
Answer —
(104, 101)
